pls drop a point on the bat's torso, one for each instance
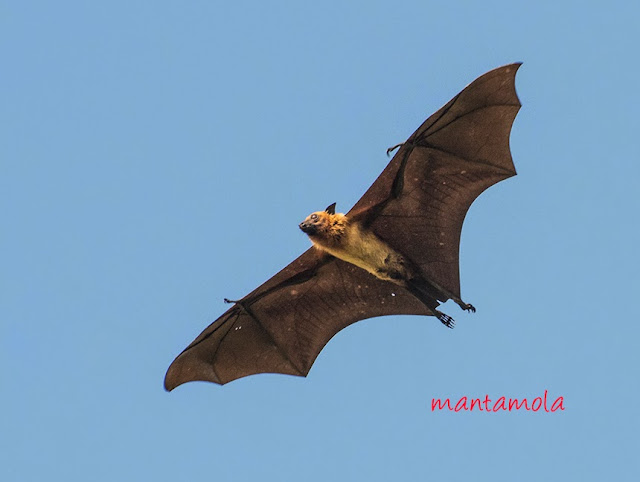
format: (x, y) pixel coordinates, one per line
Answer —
(352, 243)
(364, 249)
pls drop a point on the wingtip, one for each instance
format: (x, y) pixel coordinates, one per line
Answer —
(188, 368)
(171, 380)
(509, 71)
(506, 69)
(513, 65)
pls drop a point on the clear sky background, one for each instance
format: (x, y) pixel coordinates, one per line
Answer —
(156, 157)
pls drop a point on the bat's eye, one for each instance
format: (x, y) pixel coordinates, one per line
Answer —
(314, 217)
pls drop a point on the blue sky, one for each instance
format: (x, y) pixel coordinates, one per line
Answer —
(156, 157)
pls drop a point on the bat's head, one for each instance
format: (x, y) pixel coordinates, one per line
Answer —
(318, 222)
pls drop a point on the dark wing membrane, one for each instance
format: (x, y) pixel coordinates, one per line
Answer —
(282, 326)
(419, 202)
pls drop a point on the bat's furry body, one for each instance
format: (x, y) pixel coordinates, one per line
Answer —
(337, 235)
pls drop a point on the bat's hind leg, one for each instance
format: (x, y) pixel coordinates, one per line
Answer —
(424, 285)
(417, 288)
(450, 296)
(466, 306)
(446, 320)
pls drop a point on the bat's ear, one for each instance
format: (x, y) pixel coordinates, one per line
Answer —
(331, 209)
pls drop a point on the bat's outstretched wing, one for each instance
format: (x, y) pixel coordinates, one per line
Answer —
(282, 326)
(417, 206)
(418, 203)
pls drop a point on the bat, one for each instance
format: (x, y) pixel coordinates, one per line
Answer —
(395, 252)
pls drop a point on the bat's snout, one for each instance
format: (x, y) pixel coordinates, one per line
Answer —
(307, 228)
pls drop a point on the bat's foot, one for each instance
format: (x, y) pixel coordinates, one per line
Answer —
(446, 320)
(468, 307)
(227, 300)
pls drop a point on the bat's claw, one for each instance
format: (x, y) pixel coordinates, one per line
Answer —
(391, 149)
(469, 307)
(446, 320)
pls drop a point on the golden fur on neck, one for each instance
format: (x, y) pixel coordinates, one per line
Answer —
(331, 229)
